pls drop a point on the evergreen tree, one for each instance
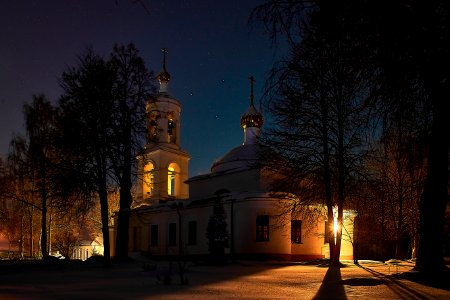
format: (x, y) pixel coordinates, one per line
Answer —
(217, 232)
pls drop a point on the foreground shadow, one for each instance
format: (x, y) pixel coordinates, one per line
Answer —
(133, 279)
(392, 282)
(332, 286)
(440, 280)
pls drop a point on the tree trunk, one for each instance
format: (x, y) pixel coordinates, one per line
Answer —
(30, 213)
(434, 197)
(103, 195)
(340, 171)
(44, 224)
(327, 174)
(123, 223)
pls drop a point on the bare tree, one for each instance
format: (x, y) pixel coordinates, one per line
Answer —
(132, 86)
(103, 116)
(86, 110)
(320, 107)
(41, 157)
(405, 66)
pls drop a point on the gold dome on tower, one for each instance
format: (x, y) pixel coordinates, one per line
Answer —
(164, 76)
(252, 117)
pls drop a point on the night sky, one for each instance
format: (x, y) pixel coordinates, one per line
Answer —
(212, 52)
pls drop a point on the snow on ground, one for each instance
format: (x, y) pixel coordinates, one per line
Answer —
(244, 279)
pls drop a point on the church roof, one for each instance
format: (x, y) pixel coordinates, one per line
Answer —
(240, 158)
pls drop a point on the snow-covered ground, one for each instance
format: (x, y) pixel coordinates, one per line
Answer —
(244, 279)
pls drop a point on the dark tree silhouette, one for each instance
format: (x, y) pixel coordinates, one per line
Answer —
(319, 103)
(103, 109)
(132, 85)
(41, 156)
(408, 59)
(405, 61)
(22, 189)
(86, 110)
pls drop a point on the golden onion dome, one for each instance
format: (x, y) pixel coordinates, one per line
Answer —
(252, 118)
(164, 76)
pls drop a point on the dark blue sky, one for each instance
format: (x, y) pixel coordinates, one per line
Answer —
(212, 51)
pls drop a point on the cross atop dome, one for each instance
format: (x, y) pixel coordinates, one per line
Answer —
(252, 117)
(251, 120)
(164, 76)
(252, 82)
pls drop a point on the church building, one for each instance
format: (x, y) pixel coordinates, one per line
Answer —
(171, 211)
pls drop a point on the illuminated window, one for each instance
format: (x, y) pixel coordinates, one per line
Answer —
(148, 180)
(173, 187)
(262, 228)
(296, 231)
(172, 234)
(171, 182)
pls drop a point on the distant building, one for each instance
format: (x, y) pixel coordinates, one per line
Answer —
(88, 248)
(171, 212)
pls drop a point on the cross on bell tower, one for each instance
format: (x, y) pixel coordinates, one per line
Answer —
(164, 76)
(164, 51)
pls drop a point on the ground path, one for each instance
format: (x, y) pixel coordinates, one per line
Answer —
(244, 279)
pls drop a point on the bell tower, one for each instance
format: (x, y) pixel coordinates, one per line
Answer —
(163, 113)
(163, 165)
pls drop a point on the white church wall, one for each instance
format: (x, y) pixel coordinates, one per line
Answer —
(246, 213)
(246, 207)
(312, 244)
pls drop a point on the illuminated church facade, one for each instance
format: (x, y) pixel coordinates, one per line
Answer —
(171, 212)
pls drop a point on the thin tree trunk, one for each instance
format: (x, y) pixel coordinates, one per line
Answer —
(103, 195)
(31, 231)
(340, 171)
(123, 224)
(327, 175)
(44, 224)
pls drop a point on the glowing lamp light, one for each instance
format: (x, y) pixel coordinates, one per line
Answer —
(335, 223)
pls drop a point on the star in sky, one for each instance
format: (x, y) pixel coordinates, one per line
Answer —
(212, 51)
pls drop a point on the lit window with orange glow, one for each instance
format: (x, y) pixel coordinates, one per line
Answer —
(172, 179)
(171, 182)
(148, 180)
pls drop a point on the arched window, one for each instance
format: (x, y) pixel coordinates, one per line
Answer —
(148, 180)
(171, 129)
(172, 179)
(152, 126)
